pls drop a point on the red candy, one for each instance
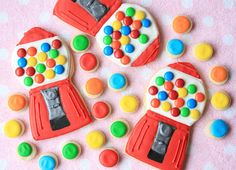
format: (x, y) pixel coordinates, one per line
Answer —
(30, 71)
(125, 60)
(120, 15)
(116, 35)
(19, 71)
(168, 85)
(179, 83)
(39, 78)
(21, 52)
(118, 53)
(137, 24)
(116, 45)
(56, 44)
(155, 103)
(173, 95)
(50, 63)
(32, 51)
(175, 112)
(200, 97)
(108, 158)
(135, 34)
(179, 102)
(153, 90)
(128, 21)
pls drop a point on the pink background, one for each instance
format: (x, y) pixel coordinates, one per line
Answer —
(214, 22)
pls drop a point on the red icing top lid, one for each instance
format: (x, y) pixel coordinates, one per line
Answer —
(108, 157)
(88, 61)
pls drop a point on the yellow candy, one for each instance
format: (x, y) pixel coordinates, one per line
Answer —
(14, 128)
(116, 25)
(95, 139)
(220, 100)
(49, 74)
(195, 114)
(129, 104)
(203, 51)
(124, 40)
(183, 92)
(32, 61)
(166, 106)
(42, 57)
(61, 59)
(140, 15)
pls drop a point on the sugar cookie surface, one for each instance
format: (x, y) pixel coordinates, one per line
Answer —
(203, 51)
(101, 110)
(219, 75)
(118, 82)
(182, 24)
(119, 128)
(26, 150)
(95, 139)
(17, 102)
(94, 87)
(14, 128)
(71, 150)
(221, 100)
(175, 48)
(109, 157)
(129, 104)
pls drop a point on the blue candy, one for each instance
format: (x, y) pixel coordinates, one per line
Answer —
(162, 95)
(108, 51)
(169, 76)
(191, 103)
(219, 128)
(47, 162)
(22, 62)
(45, 47)
(175, 47)
(146, 23)
(129, 48)
(59, 69)
(108, 30)
(117, 81)
(125, 30)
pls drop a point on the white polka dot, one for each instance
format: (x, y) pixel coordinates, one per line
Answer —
(4, 90)
(228, 39)
(84, 164)
(229, 4)
(146, 3)
(23, 2)
(1, 128)
(3, 54)
(229, 113)
(3, 164)
(187, 3)
(209, 166)
(3, 17)
(187, 38)
(166, 20)
(125, 164)
(230, 149)
(208, 21)
(44, 17)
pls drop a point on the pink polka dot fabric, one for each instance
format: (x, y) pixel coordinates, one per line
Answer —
(214, 22)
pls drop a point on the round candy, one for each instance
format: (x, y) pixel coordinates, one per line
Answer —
(21, 52)
(200, 97)
(168, 85)
(26, 150)
(160, 81)
(173, 95)
(88, 62)
(120, 15)
(28, 81)
(108, 51)
(129, 48)
(153, 90)
(221, 100)
(39, 78)
(219, 128)
(125, 30)
(118, 82)
(40, 68)
(80, 43)
(116, 45)
(116, 25)
(32, 51)
(17, 102)
(59, 69)
(22, 62)
(195, 114)
(192, 88)
(143, 38)
(50, 63)
(109, 157)
(95, 139)
(48, 161)
(169, 76)
(45, 47)
(191, 103)
(175, 48)
(203, 51)
(108, 30)
(140, 15)
(135, 34)
(49, 74)
(14, 128)
(42, 56)
(107, 40)
(179, 83)
(125, 60)
(32, 61)
(182, 24)
(130, 11)
(185, 112)
(137, 24)
(61, 60)
(219, 75)
(179, 102)
(118, 53)
(101, 110)
(162, 95)
(53, 53)
(165, 106)
(116, 35)
(124, 40)
(128, 21)
(146, 23)
(175, 111)
(71, 150)
(94, 87)
(56, 44)
(129, 104)
(119, 128)
(155, 103)
(19, 71)
(183, 92)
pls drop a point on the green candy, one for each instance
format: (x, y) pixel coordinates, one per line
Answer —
(130, 11)
(118, 129)
(70, 151)
(160, 81)
(107, 40)
(185, 112)
(24, 149)
(80, 43)
(143, 38)
(53, 53)
(40, 68)
(28, 81)
(192, 88)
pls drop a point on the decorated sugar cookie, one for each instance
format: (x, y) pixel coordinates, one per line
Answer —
(109, 157)
(217, 129)
(48, 161)
(26, 151)
(126, 33)
(71, 150)
(175, 100)
(42, 63)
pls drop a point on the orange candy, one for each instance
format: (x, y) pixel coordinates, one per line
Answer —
(137, 24)
(94, 87)
(200, 97)
(120, 15)
(17, 102)
(32, 51)
(179, 102)
(39, 78)
(116, 45)
(155, 103)
(219, 75)
(50, 63)
(125, 60)
(168, 85)
(182, 24)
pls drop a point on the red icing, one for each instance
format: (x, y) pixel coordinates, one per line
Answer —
(100, 110)
(88, 62)
(128, 21)
(56, 44)
(108, 158)
(153, 90)
(21, 52)
(30, 71)
(179, 83)
(19, 71)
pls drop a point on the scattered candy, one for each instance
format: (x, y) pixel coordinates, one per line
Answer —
(14, 128)
(203, 51)
(95, 139)
(118, 82)
(101, 110)
(71, 150)
(182, 24)
(89, 62)
(48, 161)
(26, 151)
(175, 48)
(17, 102)
(219, 75)
(109, 157)
(119, 128)
(129, 104)
(221, 100)
(80, 43)
(94, 87)
(218, 129)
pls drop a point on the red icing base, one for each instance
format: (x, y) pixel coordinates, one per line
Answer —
(143, 134)
(108, 158)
